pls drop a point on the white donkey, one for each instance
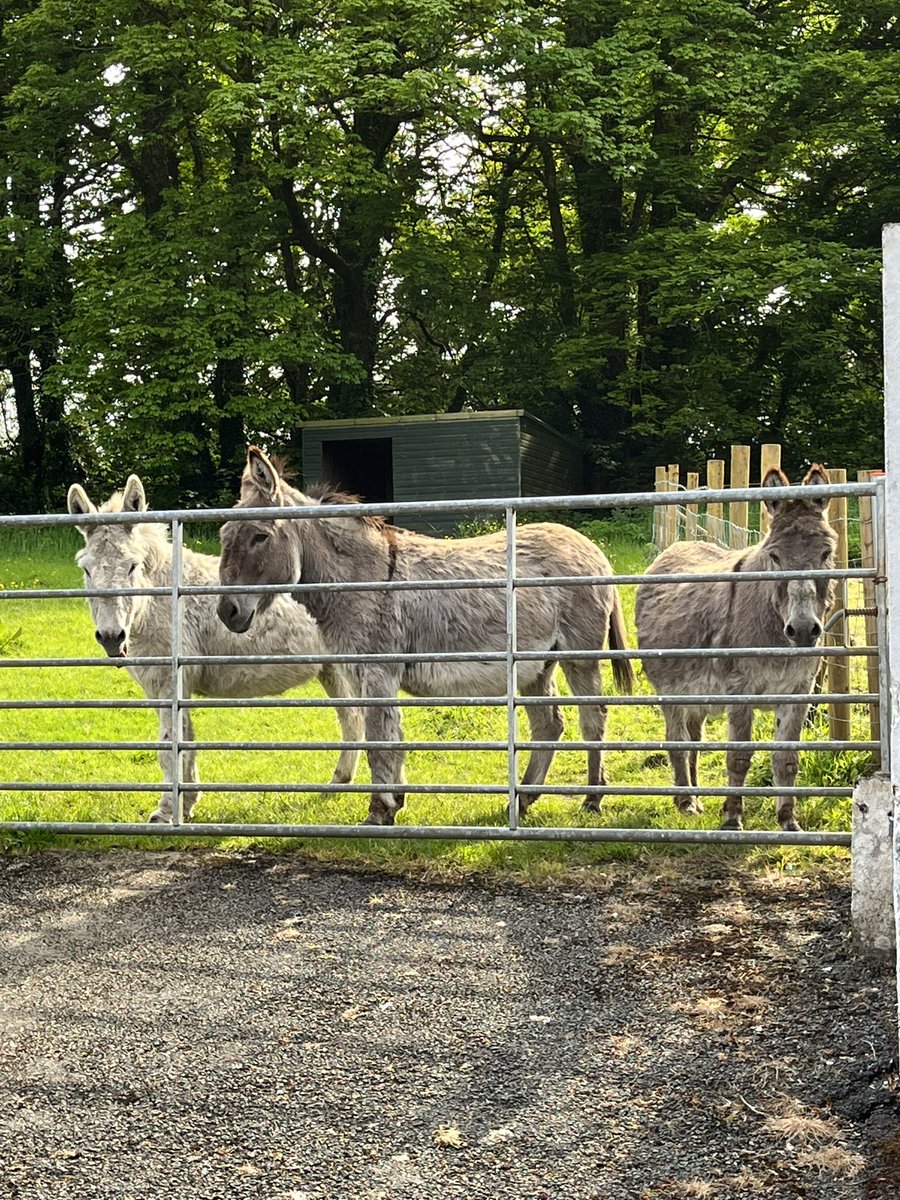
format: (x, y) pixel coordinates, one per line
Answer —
(128, 556)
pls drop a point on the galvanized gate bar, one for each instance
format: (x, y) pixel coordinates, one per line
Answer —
(411, 702)
(512, 656)
(198, 660)
(177, 671)
(436, 585)
(438, 789)
(889, 525)
(463, 507)
(433, 745)
(448, 833)
(512, 679)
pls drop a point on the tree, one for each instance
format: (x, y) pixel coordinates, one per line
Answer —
(656, 226)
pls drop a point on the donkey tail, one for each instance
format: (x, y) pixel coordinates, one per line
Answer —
(623, 671)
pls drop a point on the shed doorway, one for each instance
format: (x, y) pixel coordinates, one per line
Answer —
(363, 466)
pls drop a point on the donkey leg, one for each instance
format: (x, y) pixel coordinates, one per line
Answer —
(546, 723)
(165, 808)
(676, 719)
(163, 813)
(338, 685)
(788, 726)
(740, 729)
(695, 722)
(189, 767)
(386, 766)
(585, 680)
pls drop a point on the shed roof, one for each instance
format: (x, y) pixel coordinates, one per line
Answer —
(480, 415)
(490, 414)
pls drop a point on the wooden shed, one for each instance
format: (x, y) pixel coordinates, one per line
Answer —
(445, 456)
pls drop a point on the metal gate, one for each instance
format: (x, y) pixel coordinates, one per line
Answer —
(510, 701)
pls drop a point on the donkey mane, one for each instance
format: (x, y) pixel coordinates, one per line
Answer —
(321, 492)
(328, 493)
(279, 462)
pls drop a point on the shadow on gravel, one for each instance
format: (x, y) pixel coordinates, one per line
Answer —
(201, 1025)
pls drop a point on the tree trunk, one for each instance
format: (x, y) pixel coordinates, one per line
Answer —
(353, 298)
(31, 441)
(228, 382)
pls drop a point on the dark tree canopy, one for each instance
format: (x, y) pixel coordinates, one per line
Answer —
(655, 225)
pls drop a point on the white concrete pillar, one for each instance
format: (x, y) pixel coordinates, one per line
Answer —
(872, 899)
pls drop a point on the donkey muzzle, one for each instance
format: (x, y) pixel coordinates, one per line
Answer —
(232, 616)
(803, 633)
(113, 643)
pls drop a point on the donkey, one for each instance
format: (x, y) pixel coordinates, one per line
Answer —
(777, 613)
(125, 556)
(362, 548)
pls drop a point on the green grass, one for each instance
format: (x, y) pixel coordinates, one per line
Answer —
(62, 628)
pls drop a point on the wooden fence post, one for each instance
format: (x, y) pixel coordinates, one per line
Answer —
(672, 509)
(715, 481)
(769, 459)
(661, 484)
(739, 513)
(839, 668)
(867, 560)
(691, 510)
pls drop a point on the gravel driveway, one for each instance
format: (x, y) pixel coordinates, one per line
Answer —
(185, 1026)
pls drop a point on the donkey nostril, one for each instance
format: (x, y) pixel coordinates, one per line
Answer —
(228, 609)
(790, 630)
(98, 636)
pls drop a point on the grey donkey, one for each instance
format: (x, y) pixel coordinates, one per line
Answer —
(550, 619)
(784, 613)
(140, 555)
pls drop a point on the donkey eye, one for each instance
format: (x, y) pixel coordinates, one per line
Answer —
(132, 569)
(826, 556)
(258, 539)
(775, 559)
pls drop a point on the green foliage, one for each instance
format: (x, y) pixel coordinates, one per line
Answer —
(655, 226)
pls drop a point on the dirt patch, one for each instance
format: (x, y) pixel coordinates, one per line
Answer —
(203, 1025)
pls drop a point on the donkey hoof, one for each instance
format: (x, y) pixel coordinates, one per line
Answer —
(791, 826)
(691, 807)
(159, 818)
(591, 804)
(732, 823)
(383, 818)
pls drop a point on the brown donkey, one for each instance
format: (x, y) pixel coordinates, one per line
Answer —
(355, 548)
(778, 613)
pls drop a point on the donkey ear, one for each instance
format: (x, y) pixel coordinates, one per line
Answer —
(775, 477)
(133, 498)
(817, 476)
(79, 503)
(261, 471)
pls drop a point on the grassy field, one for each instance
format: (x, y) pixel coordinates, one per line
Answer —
(62, 628)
